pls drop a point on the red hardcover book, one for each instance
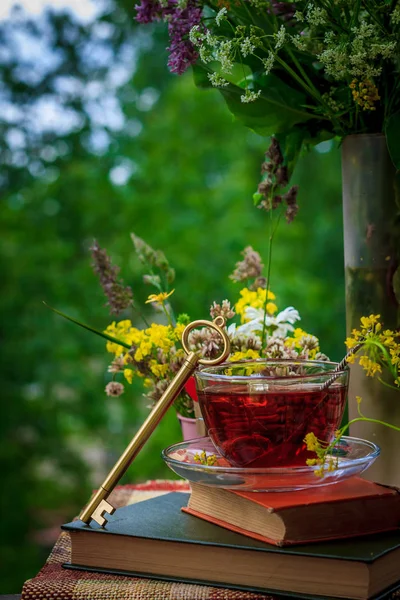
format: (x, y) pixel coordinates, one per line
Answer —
(351, 508)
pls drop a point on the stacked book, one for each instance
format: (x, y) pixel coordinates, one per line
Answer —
(338, 541)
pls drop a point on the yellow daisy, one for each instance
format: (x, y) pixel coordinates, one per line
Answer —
(159, 298)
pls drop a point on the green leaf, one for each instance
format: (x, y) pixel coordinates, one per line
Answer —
(295, 141)
(257, 197)
(392, 131)
(99, 333)
(277, 110)
(291, 144)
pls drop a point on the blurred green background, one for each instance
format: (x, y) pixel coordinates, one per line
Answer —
(98, 140)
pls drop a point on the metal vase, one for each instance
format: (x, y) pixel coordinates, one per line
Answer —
(371, 251)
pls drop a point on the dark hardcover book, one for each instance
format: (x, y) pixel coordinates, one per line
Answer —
(154, 538)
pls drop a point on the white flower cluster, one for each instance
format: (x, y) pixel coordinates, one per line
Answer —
(217, 80)
(316, 16)
(221, 16)
(330, 101)
(280, 37)
(283, 322)
(250, 96)
(196, 36)
(224, 54)
(395, 16)
(246, 47)
(300, 42)
(212, 47)
(361, 57)
(269, 63)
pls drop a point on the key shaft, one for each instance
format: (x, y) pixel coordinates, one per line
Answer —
(138, 441)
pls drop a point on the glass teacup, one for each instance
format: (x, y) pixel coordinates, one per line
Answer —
(258, 412)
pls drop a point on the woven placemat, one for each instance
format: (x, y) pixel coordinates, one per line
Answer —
(55, 583)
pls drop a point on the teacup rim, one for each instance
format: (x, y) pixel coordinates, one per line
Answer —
(208, 370)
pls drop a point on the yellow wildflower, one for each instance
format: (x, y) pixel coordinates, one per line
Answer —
(271, 308)
(311, 442)
(395, 355)
(365, 93)
(124, 332)
(179, 331)
(143, 350)
(128, 374)
(351, 342)
(370, 322)
(295, 341)
(127, 359)
(158, 370)
(255, 299)
(203, 459)
(159, 298)
(370, 366)
(248, 354)
(332, 464)
(160, 336)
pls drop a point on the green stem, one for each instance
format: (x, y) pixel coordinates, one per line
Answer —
(357, 420)
(297, 78)
(386, 354)
(271, 237)
(304, 74)
(167, 314)
(141, 315)
(316, 93)
(369, 420)
(388, 385)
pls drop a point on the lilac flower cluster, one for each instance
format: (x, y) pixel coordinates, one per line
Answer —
(148, 11)
(180, 21)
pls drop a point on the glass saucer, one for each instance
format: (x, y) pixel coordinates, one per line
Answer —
(354, 456)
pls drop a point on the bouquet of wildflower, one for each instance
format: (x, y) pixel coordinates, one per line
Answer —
(154, 352)
(304, 71)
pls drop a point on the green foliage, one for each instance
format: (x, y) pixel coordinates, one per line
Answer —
(277, 110)
(331, 67)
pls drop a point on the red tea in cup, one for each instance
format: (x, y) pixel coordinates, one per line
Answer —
(261, 421)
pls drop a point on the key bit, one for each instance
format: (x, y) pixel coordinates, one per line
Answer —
(98, 513)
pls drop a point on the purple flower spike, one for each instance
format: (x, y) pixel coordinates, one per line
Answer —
(182, 52)
(180, 21)
(148, 11)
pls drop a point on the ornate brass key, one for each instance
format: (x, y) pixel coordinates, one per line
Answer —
(99, 505)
